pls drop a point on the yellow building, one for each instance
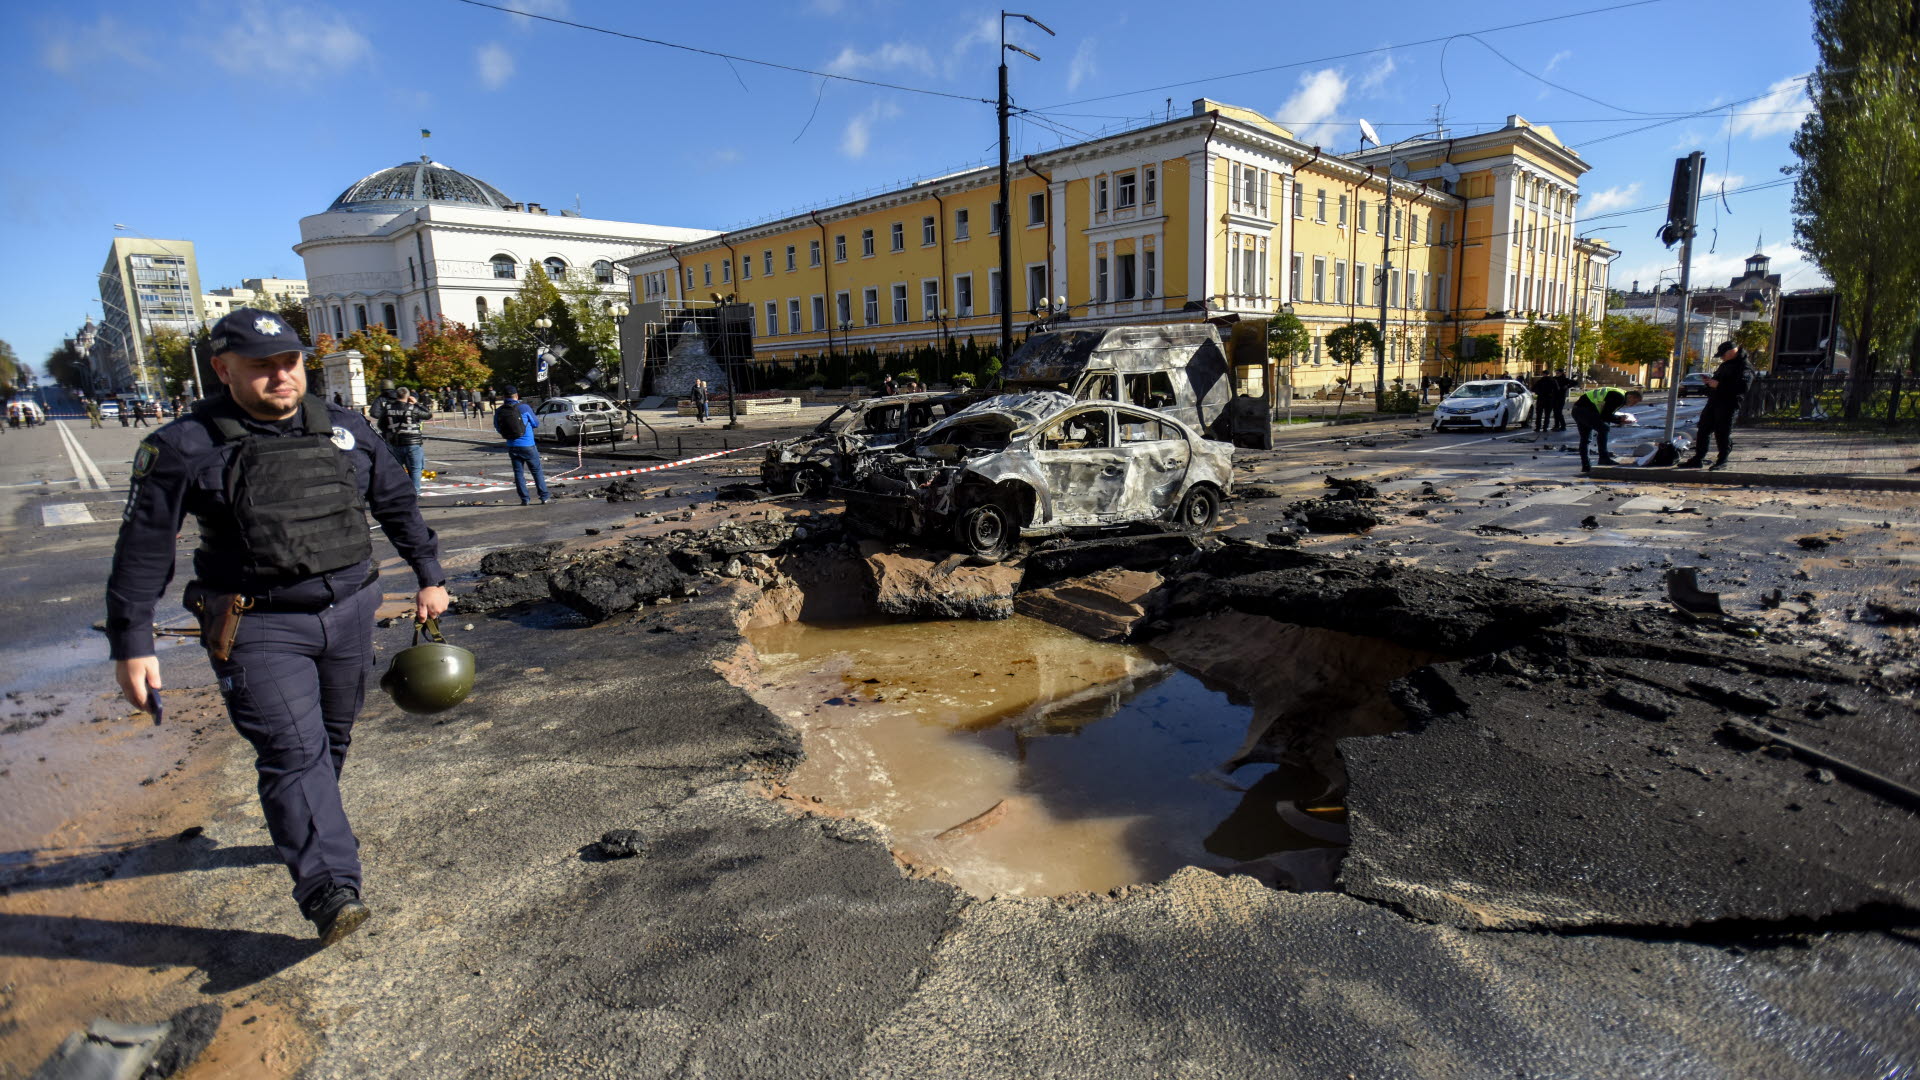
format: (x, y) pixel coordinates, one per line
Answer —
(1217, 214)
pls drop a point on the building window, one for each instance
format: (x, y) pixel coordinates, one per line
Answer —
(1250, 179)
(1126, 270)
(1320, 205)
(1380, 220)
(996, 217)
(866, 243)
(1149, 273)
(480, 308)
(390, 318)
(1037, 208)
(339, 328)
(1360, 283)
(1126, 190)
(1393, 289)
(790, 254)
(843, 307)
(726, 271)
(963, 295)
(773, 318)
(1343, 211)
(927, 235)
(993, 292)
(819, 313)
(1295, 272)
(689, 277)
(899, 303)
(766, 263)
(411, 279)
(1036, 287)
(1152, 185)
(1100, 279)
(899, 233)
(603, 272)
(1398, 217)
(416, 319)
(840, 248)
(1340, 281)
(1360, 216)
(930, 298)
(1100, 195)
(556, 269)
(505, 267)
(706, 273)
(813, 253)
(1299, 200)
(746, 268)
(960, 224)
(793, 314)
(870, 305)
(359, 316)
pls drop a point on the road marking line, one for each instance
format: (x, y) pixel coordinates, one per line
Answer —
(65, 514)
(83, 466)
(1450, 446)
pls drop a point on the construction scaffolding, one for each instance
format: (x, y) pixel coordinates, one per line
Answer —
(672, 342)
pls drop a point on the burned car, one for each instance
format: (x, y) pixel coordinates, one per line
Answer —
(1179, 369)
(814, 462)
(1037, 464)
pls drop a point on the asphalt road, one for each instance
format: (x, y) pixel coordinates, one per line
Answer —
(751, 942)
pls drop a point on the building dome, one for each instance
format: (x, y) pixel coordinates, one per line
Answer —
(417, 183)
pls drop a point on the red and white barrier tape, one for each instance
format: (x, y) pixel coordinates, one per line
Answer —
(555, 481)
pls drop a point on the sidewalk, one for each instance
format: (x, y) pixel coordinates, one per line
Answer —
(1778, 457)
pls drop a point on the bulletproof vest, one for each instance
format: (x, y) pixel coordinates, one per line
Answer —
(401, 425)
(296, 508)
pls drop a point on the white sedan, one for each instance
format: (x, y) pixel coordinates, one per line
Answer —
(1486, 404)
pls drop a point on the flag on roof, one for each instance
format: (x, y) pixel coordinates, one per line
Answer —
(425, 134)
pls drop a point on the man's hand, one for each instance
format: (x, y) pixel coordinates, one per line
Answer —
(1712, 383)
(136, 674)
(431, 602)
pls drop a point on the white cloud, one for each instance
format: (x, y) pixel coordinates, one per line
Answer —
(1376, 76)
(858, 135)
(889, 57)
(1083, 66)
(1563, 54)
(1689, 140)
(1613, 198)
(1782, 110)
(281, 39)
(1711, 183)
(496, 65)
(1320, 93)
(73, 49)
(559, 9)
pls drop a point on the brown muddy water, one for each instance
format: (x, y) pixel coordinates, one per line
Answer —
(1024, 759)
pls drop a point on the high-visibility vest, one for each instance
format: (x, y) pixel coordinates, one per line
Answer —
(1598, 397)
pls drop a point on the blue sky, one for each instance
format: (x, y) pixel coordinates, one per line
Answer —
(225, 121)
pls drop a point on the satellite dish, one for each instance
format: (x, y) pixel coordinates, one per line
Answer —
(1448, 173)
(1367, 134)
(1399, 170)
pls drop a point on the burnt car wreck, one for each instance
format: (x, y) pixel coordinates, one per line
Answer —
(1039, 464)
(816, 461)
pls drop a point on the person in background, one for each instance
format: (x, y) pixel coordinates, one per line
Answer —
(515, 423)
(700, 398)
(1725, 387)
(93, 413)
(400, 425)
(1543, 387)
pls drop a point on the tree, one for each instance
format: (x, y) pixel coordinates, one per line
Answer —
(1629, 342)
(9, 365)
(1858, 151)
(373, 343)
(1540, 344)
(294, 314)
(172, 357)
(449, 355)
(67, 366)
(324, 345)
(1349, 345)
(1287, 338)
(1474, 349)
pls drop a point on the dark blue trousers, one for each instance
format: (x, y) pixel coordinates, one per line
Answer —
(293, 686)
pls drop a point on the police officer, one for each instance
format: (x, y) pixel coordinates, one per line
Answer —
(1725, 387)
(280, 484)
(1596, 410)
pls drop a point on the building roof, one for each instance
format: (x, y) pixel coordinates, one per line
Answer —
(417, 183)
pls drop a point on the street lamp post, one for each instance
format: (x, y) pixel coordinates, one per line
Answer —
(619, 313)
(386, 361)
(1005, 224)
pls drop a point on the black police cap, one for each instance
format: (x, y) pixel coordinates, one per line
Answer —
(251, 333)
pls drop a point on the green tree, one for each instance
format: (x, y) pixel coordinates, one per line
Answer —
(1350, 344)
(1540, 344)
(9, 365)
(1473, 349)
(448, 354)
(1859, 151)
(172, 358)
(1287, 339)
(66, 366)
(1629, 342)
(374, 343)
(294, 314)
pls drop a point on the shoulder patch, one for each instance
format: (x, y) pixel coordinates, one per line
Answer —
(343, 438)
(144, 458)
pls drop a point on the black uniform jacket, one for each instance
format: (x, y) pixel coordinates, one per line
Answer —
(181, 469)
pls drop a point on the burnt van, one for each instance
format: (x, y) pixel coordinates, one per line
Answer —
(1180, 369)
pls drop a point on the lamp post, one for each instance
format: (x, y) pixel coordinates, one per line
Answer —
(541, 355)
(1004, 225)
(943, 318)
(619, 312)
(386, 361)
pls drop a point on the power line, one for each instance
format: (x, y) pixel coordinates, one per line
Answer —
(732, 57)
(1347, 55)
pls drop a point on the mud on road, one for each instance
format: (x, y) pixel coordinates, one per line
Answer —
(1565, 865)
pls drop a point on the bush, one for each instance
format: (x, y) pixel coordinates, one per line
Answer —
(860, 378)
(909, 375)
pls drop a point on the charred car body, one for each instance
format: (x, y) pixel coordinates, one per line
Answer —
(1179, 369)
(814, 462)
(1040, 463)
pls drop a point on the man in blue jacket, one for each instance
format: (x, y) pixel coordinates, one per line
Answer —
(515, 423)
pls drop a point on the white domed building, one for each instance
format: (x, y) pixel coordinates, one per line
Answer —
(423, 241)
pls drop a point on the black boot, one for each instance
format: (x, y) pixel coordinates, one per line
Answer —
(1690, 463)
(335, 912)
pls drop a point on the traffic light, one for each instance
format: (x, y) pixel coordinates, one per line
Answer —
(1683, 202)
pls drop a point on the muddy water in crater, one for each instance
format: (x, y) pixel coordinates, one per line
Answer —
(1025, 759)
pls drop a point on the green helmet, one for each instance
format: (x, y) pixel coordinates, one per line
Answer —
(429, 678)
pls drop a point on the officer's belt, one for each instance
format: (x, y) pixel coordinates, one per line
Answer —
(265, 603)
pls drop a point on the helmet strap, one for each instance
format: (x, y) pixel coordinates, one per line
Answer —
(430, 627)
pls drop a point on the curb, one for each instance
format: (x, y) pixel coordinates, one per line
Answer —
(1826, 481)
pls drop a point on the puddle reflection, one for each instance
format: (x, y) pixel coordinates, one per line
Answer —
(1025, 759)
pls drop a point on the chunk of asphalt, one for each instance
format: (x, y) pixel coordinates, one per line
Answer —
(620, 844)
(1732, 695)
(1642, 701)
(519, 560)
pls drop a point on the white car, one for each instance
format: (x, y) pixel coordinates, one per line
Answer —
(1488, 404)
(580, 418)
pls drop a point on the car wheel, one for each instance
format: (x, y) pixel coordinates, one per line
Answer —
(1502, 425)
(812, 482)
(985, 530)
(1199, 509)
